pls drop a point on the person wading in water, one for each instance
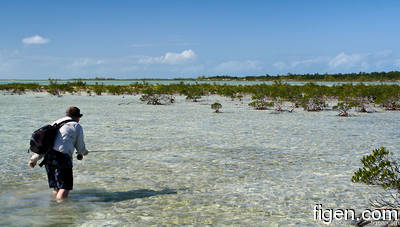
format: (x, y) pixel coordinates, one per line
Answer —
(58, 161)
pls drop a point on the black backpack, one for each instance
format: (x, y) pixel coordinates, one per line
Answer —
(42, 140)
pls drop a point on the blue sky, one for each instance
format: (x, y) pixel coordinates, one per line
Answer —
(168, 39)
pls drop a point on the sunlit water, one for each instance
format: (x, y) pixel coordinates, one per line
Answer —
(184, 164)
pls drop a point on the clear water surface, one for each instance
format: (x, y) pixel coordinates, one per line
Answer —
(184, 164)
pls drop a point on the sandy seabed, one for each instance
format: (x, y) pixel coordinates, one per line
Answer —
(184, 164)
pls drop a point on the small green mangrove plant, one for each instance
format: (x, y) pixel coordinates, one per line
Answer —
(379, 168)
(382, 170)
(313, 104)
(278, 104)
(53, 88)
(151, 97)
(98, 89)
(260, 103)
(344, 106)
(391, 103)
(216, 106)
(194, 94)
(362, 104)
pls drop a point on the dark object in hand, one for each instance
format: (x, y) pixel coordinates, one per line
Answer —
(79, 156)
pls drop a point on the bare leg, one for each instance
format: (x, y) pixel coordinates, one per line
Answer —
(62, 194)
(55, 191)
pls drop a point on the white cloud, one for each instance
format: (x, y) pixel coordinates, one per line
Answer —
(82, 62)
(348, 60)
(174, 58)
(170, 58)
(301, 65)
(238, 66)
(384, 53)
(310, 61)
(36, 39)
(342, 62)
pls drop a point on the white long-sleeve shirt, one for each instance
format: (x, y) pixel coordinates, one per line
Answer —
(69, 137)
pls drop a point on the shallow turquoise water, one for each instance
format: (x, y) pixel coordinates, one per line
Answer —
(184, 164)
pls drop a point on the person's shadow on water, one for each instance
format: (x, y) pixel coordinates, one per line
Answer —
(101, 195)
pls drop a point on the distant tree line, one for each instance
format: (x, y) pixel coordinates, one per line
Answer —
(361, 76)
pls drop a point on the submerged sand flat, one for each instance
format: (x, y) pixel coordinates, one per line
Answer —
(184, 164)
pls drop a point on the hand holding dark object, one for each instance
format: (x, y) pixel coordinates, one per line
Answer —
(79, 156)
(32, 164)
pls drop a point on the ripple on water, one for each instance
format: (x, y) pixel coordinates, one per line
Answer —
(184, 164)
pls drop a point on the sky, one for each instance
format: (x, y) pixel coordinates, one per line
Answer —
(171, 39)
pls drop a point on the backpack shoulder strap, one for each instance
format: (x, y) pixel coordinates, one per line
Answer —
(59, 125)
